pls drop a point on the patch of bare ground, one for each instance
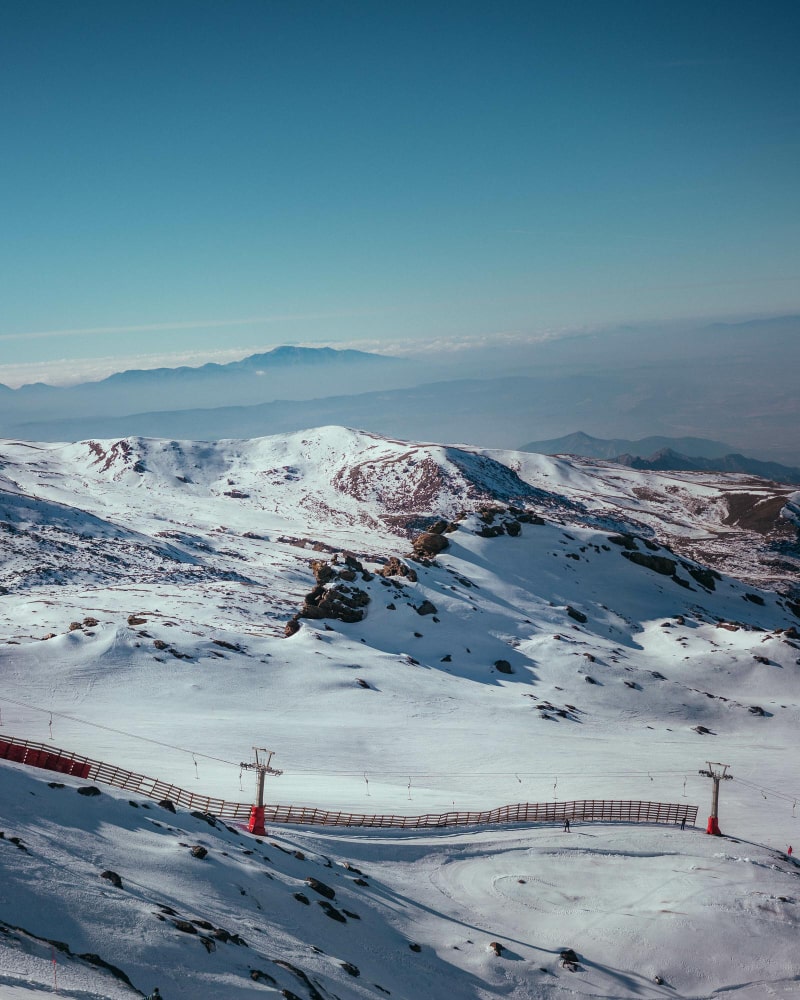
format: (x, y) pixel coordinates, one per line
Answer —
(651, 496)
(401, 484)
(757, 512)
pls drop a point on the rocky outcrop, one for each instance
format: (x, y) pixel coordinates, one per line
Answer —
(335, 595)
(396, 567)
(341, 602)
(428, 545)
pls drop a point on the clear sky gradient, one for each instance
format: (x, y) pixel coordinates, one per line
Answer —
(191, 177)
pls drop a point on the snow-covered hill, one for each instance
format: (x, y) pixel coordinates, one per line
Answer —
(411, 628)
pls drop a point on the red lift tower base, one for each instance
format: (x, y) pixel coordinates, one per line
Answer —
(256, 822)
(713, 826)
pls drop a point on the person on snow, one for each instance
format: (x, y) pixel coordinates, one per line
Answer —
(566, 826)
(155, 995)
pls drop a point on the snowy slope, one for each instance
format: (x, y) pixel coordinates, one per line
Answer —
(554, 647)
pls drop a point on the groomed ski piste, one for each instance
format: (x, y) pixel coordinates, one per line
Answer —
(165, 591)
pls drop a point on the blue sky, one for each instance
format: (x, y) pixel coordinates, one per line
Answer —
(191, 178)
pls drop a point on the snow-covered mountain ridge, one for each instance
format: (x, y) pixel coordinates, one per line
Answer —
(518, 631)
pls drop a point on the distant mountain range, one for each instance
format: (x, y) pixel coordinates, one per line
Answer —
(608, 448)
(286, 373)
(668, 460)
(254, 364)
(494, 396)
(661, 454)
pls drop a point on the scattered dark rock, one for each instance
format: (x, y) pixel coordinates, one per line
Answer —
(184, 925)
(659, 564)
(579, 616)
(167, 804)
(351, 969)
(199, 852)
(496, 947)
(426, 608)
(513, 528)
(705, 577)
(89, 790)
(262, 977)
(292, 627)
(361, 682)
(569, 958)
(446, 659)
(302, 898)
(756, 710)
(503, 667)
(321, 888)
(589, 680)
(112, 877)
(415, 947)
(136, 620)
(205, 817)
(626, 541)
(331, 911)
(101, 963)
(527, 518)
(55, 784)
(349, 913)
(754, 599)
(702, 730)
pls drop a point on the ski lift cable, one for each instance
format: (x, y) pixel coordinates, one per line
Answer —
(121, 732)
(788, 797)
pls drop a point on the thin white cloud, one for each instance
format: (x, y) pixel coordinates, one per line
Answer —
(201, 324)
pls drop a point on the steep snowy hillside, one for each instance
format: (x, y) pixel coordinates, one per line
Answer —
(101, 898)
(416, 628)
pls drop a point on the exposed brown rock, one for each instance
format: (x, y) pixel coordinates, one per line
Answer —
(395, 567)
(428, 545)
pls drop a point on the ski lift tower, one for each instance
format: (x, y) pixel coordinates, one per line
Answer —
(262, 769)
(717, 773)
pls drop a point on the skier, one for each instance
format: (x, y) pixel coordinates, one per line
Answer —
(683, 823)
(155, 995)
(789, 852)
(566, 826)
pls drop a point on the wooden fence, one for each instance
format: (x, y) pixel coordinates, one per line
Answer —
(613, 811)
